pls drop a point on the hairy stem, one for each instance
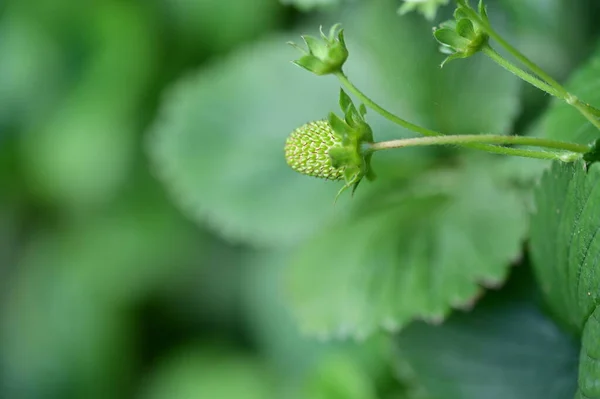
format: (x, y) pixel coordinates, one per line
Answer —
(383, 112)
(549, 84)
(470, 143)
(569, 151)
(529, 78)
(514, 52)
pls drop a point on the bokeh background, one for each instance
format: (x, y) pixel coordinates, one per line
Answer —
(124, 276)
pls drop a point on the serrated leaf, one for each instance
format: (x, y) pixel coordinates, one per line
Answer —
(565, 248)
(562, 121)
(589, 365)
(315, 367)
(227, 168)
(416, 253)
(565, 243)
(505, 348)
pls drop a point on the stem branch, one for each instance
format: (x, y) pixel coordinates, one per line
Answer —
(515, 52)
(478, 142)
(547, 84)
(529, 78)
(569, 151)
(380, 110)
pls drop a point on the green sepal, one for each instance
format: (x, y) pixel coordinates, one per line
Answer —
(449, 24)
(345, 101)
(369, 174)
(451, 38)
(338, 125)
(340, 35)
(452, 57)
(465, 28)
(352, 117)
(340, 156)
(312, 64)
(483, 11)
(315, 46)
(362, 110)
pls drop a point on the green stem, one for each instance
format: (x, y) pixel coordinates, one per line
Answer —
(589, 112)
(383, 112)
(514, 52)
(472, 144)
(570, 152)
(529, 78)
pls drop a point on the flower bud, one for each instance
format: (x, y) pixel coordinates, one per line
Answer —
(326, 55)
(461, 37)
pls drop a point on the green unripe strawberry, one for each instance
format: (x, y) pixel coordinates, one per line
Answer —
(307, 150)
(335, 149)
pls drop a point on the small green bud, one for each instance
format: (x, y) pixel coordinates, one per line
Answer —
(307, 150)
(326, 55)
(461, 37)
(426, 7)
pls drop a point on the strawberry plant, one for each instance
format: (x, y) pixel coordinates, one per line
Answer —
(469, 244)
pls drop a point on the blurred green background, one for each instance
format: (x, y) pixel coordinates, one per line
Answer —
(123, 275)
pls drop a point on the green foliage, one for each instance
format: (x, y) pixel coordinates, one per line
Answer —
(95, 160)
(564, 241)
(566, 249)
(452, 100)
(229, 170)
(214, 26)
(107, 291)
(307, 5)
(415, 254)
(561, 121)
(428, 8)
(207, 372)
(505, 348)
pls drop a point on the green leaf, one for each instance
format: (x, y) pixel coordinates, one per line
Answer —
(589, 366)
(565, 243)
(565, 248)
(505, 348)
(227, 168)
(340, 377)
(319, 369)
(564, 122)
(414, 252)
